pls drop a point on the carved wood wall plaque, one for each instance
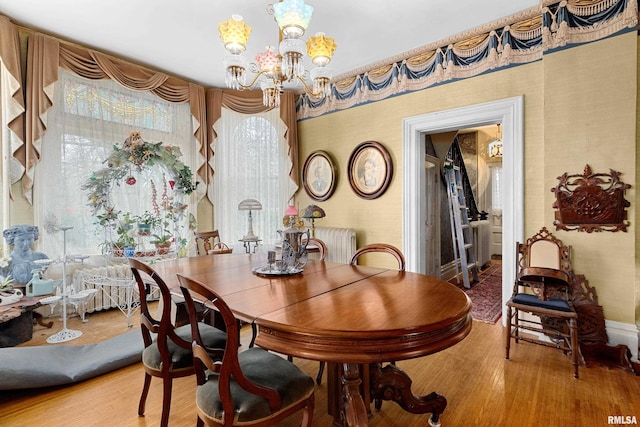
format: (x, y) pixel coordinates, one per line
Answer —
(591, 202)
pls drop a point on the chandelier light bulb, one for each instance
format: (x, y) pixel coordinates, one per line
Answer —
(268, 60)
(320, 49)
(234, 34)
(293, 17)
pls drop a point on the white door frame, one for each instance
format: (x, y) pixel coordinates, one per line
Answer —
(509, 112)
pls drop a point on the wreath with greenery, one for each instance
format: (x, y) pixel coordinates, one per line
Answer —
(137, 153)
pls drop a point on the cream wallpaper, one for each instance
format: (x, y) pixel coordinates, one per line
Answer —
(580, 108)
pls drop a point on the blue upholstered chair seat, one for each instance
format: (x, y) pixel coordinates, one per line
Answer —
(183, 357)
(263, 368)
(551, 304)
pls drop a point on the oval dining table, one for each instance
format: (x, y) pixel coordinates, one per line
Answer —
(354, 318)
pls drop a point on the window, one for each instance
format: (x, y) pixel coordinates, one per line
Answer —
(251, 162)
(87, 119)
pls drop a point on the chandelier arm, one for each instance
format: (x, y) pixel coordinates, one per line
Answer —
(255, 79)
(307, 89)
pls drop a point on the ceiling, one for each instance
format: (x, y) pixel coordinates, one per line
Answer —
(180, 36)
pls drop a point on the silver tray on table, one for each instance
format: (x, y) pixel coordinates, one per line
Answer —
(266, 271)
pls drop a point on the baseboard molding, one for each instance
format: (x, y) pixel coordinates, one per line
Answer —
(624, 333)
(617, 333)
(448, 271)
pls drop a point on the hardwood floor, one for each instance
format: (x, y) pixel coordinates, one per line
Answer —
(534, 388)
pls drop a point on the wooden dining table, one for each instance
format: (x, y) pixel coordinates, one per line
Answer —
(354, 318)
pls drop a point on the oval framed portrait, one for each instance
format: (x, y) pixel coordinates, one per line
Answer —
(370, 170)
(319, 175)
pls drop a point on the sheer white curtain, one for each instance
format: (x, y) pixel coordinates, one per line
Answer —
(87, 119)
(251, 162)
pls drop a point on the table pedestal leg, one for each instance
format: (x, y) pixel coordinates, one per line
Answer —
(348, 399)
(391, 383)
(355, 410)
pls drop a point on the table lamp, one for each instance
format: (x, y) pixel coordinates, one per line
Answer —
(250, 205)
(312, 212)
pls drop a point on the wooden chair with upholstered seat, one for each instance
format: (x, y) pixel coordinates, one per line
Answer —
(251, 388)
(374, 247)
(167, 350)
(542, 289)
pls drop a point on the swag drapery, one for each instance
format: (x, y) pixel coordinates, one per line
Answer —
(250, 102)
(12, 109)
(46, 54)
(11, 117)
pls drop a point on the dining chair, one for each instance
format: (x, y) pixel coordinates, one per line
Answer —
(374, 247)
(380, 247)
(321, 245)
(250, 388)
(167, 350)
(542, 289)
(205, 241)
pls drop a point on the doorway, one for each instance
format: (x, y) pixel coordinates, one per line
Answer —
(508, 112)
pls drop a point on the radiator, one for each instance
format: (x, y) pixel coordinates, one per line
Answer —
(341, 243)
(117, 288)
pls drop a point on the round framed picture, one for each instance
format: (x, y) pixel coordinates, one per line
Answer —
(370, 170)
(319, 176)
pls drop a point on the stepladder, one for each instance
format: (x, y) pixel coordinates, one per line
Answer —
(461, 233)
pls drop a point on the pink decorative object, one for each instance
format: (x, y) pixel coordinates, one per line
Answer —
(291, 211)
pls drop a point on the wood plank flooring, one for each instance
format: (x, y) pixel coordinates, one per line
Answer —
(534, 388)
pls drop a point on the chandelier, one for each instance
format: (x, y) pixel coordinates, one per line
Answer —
(495, 147)
(275, 68)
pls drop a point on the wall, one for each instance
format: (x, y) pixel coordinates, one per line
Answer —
(579, 108)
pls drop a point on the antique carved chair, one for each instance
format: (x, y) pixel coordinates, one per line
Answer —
(542, 290)
(254, 387)
(206, 241)
(167, 349)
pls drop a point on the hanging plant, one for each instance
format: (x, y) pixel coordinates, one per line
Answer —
(135, 153)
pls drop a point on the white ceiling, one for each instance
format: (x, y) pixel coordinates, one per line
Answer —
(180, 36)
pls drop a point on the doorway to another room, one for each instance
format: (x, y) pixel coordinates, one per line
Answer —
(507, 112)
(473, 156)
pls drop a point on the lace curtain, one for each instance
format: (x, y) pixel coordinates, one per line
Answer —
(251, 162)
(87, 119)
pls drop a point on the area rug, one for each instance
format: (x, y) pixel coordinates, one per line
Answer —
(486, 295)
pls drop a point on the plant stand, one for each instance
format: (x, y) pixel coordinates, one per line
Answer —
(65, 334)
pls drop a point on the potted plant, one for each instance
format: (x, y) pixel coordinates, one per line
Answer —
(125, 242)
(146, 221)
(162, 242)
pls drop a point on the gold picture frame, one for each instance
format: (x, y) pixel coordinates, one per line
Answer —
(319, 175)
(370, 170)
